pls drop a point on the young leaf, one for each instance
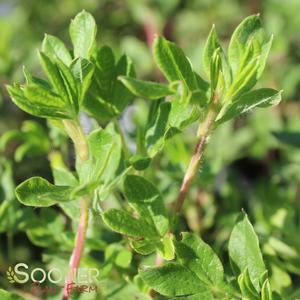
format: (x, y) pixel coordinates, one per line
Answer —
(122, 222)
(83, 33)
(173, 63)
(258, 98)
(200, 258)
(246, 286)
(147, 201)
(156, 132)
(249, 28)
(244, 250)
(33, 108)
(266, 292)
(212, 44)
(107, 96)
(143, 247)
(37, 191)
(173, 280)
(82, 70)
(146, 89)
(166, 247)
(55, 48)
(42, 96)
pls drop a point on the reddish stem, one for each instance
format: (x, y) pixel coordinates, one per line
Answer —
(196, 158)
(78, 248)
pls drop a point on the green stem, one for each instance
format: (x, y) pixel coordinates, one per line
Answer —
(123, 140)
(204, 131)
(78, 137)
(81, 147)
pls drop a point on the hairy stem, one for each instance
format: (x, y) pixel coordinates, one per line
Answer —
(77, 135)
(203, 134)
(81, 148)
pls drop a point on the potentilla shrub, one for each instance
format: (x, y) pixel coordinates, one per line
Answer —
(89, 79)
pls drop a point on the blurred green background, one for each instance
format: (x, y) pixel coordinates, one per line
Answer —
(246, 166)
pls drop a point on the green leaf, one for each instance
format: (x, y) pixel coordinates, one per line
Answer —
(258, 98)
(173, 280)
(249, 28)
(70, 86)
(33, 108)
(108, 96)
(55, 48)
(105, 150)
(147, 201)
(246, 286)
(166, 247)
(266, 292)
(289, 138)
(83, 33)
(139, 162)
(37, 191)
(173, 63)
(144, 247)
(41, 96)
(83, 71)
(52, 72)
(212, 44)
(244, 250)
(146, 89)
(122, 222)
(157, 129)
(200, 258)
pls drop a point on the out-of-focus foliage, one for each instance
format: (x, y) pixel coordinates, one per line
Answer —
(251, 163)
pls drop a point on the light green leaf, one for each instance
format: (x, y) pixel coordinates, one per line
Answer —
(244, 251)
(266, 292)
(144, 247)
(212, 44)
(52, 72)
(83, 33)
(69, 85)
(249, 28)
(122, 222)
(83, 71)
(37, 191)
(173, 280)
(147, 201)
(55, 48)
(157, 129)
(246, 286)
(42, 96)
(33, 108)
(258, 98)
(200, 258)
(173, 63)
(166, 247)
(146, 89)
